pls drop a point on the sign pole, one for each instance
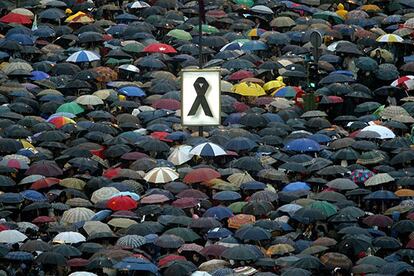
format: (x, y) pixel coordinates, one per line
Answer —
(200, 48)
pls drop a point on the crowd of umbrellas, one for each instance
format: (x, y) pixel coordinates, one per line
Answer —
(310, 172)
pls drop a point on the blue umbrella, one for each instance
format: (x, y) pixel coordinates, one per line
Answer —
(218, 233)
(178, 136)
(39, 75)
(101, 215)
(117, 29)
(271, 117)
(11, 198)
(4, 55)
(33, 195)
(22, 39)
(44, 32)
(320, 138)
(136, 264)
(296, 186)
(254, 45)
(253, 185)
(232, 119)
(240, 143)
(132, 91)
(19, 256)
(302, 145)
(381, 195)
(126, 17)
(343, 72)
(218, 212)
(226, 196)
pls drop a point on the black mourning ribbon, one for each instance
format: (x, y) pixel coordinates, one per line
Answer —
(201, 86)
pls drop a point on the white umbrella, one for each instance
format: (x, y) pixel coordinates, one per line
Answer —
(78, 214)
(382, 131)
(208, 149)
(12, 236)
(104, 193)
(89, 100)
(129, 67)
(161, 175)
(82, 273)
(180, 155)
(69, 237)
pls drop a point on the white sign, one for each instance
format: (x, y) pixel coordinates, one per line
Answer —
(200, 97)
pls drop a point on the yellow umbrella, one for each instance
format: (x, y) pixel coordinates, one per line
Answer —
(274, 84)
(371, 8)
(279, 249)
(404, 193)
(79, 17)
(26, 144)
(249, 89)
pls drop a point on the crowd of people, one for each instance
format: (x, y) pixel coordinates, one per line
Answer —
(309, 173)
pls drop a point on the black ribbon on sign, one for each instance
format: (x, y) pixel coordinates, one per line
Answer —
(201, 86)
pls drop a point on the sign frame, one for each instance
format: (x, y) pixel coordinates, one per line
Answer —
(199, 72)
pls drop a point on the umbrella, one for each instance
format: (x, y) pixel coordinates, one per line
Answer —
(161, 175)
(207, 150)
(83, 56)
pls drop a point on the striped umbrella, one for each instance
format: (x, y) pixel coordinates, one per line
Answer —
(77, 214)
(69, 237)
(104, 193)
(208, 150)
(161, 175)
(83, 56)
(131, 241)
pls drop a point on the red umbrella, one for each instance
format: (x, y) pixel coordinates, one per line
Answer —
(240, 107)
(201, 175)
(15, 18)
(169, 104)
(43, 219)
(111, 172)
(119, 203)
(216, 13)
(170, 258)
(185, 202)
(378, 220)
(78, 262)
(161, 135)
(160, 48)
(45, 183)
(3, 227)
(241, 74)
(410, 244)
(133, 155)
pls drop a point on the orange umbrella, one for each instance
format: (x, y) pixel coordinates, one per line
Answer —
(241, 219)
(404, 193)
(105, 74)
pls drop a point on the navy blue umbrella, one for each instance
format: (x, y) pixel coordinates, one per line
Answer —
(33, 195)
(227, 196)
(302, 145)
(136, 264)
(218, 212)
(19, 256)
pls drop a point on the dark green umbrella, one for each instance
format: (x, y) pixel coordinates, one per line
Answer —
(186, 234)
(240, 253)
(51, 258)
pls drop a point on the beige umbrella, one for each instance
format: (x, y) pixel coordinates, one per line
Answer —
(213, 264)
(72, 182)
(49, 92)
(282, 22)
(161, 175)
(390, 112)
(18, 65)
(180, 155)
(103, 193)
(79, 202)
(378, 179)
(226, 86)
(89, 100)
(121, 222)
(105, 93)
(92, 227)
(240, 178)
(12, 236)
(77, 214)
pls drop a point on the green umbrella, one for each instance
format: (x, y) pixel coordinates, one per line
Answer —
(248, 3)
(237, 207)
(133, 47)
(71, 107)
(325, 207)
(180, 34)
(186, 234)
(207, 29)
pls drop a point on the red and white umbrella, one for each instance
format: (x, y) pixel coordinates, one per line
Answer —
(405, 81)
